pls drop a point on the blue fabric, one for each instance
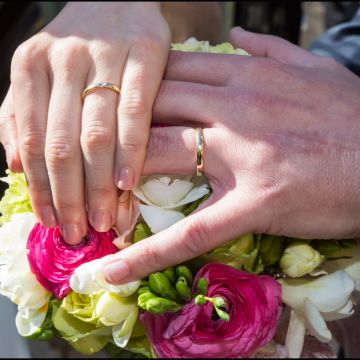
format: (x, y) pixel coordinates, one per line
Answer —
(341, 42)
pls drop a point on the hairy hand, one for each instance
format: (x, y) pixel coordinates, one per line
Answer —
(281, 151)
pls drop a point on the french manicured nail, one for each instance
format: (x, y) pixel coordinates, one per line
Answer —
(47, 216)
(126, 178)
(71, 234)
(116, 271)
(101, 220)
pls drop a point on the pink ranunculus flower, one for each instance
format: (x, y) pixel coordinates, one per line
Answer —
(53, 261)
(253, 303)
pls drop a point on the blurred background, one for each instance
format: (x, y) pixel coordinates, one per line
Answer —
(300, 22)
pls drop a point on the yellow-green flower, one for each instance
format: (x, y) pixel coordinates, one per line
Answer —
(300, 259)
(89, 322)
(241, 253)
(16, 199)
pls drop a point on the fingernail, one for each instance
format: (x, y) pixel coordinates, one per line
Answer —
(116, 271)
(47, 217)
(71, 234)
(101, 220)
(125, 179)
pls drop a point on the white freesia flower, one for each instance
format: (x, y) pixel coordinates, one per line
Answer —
(17, 282)
(350, 265)
(313, 302)
(119, 312)
(166, 196)
(88, 278)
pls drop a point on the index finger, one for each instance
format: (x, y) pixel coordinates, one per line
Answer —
(193, 236)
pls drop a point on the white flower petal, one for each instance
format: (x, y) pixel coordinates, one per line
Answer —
(112, 309)
(20, 285)
(29, 321)
(89, 279)
(159, 219)
(122, 332)
(342, 313)
(14, 235)
(328, 293)
(295, 335)
(194, 194)
(350, 265)
(164, 192)
(316, 323)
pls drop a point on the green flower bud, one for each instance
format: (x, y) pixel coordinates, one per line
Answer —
(159, 305)
(241, 253)
(300, 259)
(271, 249)
(160, 285)
(144, 289)
(219, 301)
(184, 271)
(144, 298)
(202, 286)
(334, 248)
(200, 300)
(223, 315)
(170, 274)
(183, 288)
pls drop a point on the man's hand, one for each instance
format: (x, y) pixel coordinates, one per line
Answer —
(281, 151)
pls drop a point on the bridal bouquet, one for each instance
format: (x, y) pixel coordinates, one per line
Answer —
(229, 302)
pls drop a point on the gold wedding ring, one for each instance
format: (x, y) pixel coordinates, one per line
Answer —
(99, 85)
(199, 151)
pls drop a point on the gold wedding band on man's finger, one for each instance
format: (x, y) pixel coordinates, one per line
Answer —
(99, 85)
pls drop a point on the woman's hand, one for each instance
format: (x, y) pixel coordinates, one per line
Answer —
(122, 43)
(281, 149)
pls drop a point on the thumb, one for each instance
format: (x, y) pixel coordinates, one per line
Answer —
(8, 134)
(272, 47)
(193, 236)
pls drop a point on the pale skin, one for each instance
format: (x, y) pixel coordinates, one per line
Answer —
(282, 148)
(68, 149)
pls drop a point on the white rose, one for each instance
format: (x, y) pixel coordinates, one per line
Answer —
(166, 196)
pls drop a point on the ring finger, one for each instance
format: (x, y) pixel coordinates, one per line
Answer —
(98, 139)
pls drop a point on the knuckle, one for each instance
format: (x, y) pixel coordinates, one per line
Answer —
(159, 144)
(32, 144)
(40, 187)
(59, 152)
(26, 56)
(133, 144)
(101, 193)
(195, 237)
(68, 53)
(68, 208)
(95, 138)
(150, 43)
(133, 105)
(150, 257)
